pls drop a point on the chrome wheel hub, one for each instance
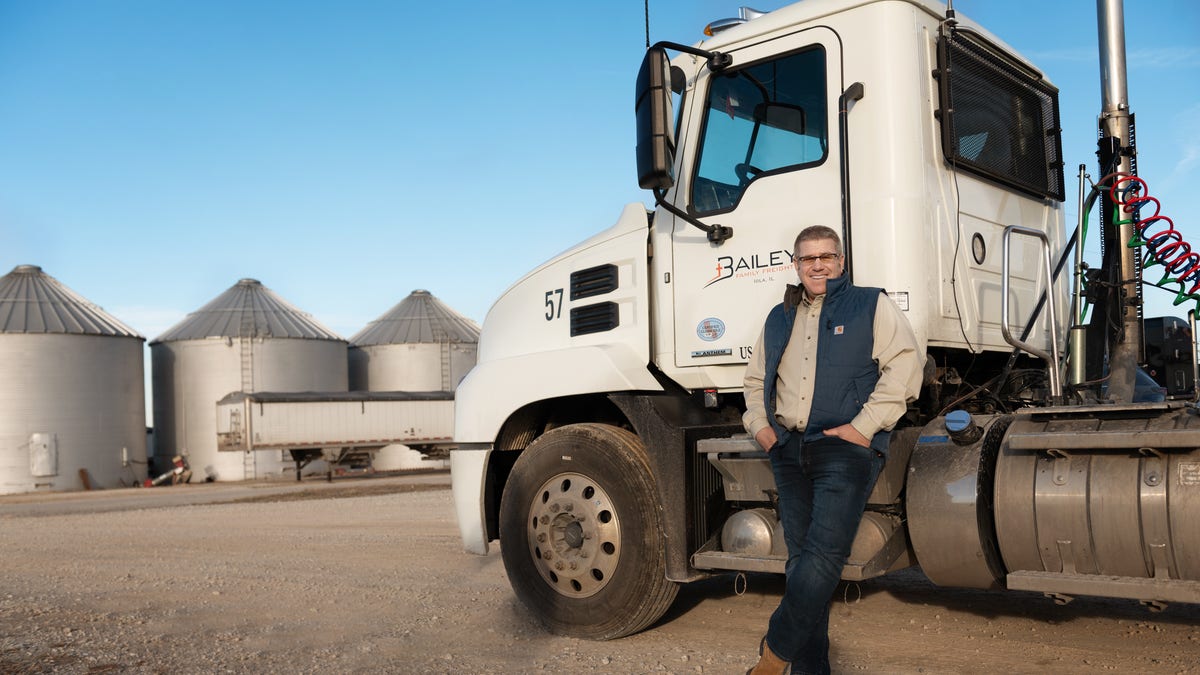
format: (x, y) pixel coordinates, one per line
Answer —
(574, 535)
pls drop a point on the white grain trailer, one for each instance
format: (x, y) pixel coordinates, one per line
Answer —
(340, 427)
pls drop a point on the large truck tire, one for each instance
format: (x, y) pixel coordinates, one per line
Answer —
(581, 535)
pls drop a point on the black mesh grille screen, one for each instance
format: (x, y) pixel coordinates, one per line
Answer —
(998, 119)
(708, 500)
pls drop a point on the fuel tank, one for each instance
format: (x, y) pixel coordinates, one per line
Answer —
(948, 502)
(1080, 500)
(1103, 500)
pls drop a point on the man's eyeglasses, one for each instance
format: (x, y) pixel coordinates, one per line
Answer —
(825, 258)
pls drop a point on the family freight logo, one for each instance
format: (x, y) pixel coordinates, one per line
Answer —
(757, 265)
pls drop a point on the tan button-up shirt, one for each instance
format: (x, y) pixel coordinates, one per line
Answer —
(901, 365)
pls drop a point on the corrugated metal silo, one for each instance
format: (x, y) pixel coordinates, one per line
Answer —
(72, 395)
(418, 345)
(246, 339)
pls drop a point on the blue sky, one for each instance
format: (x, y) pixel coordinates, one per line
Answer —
(153, 152)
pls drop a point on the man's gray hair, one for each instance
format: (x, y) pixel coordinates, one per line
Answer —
(813, 232)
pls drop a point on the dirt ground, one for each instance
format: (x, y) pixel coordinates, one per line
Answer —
(368, 575)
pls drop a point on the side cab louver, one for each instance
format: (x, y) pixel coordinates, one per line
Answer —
(599, 317)
(593, 281)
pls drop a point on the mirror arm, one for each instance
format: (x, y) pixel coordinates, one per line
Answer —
(717, 234)
(717, 61)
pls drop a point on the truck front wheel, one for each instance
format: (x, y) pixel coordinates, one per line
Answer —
(580, 533)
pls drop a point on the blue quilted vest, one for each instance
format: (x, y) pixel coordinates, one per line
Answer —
(845, 374)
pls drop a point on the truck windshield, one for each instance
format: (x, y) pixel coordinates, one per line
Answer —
(765, 118)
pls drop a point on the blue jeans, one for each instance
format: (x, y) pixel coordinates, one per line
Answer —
(823, 487)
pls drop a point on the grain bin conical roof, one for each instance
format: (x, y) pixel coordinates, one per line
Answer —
(248, 309)
(420, 318)
(32, 301)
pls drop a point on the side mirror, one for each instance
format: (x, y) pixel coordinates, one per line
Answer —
(655, 122)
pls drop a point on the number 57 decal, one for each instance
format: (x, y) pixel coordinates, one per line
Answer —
(554, 303)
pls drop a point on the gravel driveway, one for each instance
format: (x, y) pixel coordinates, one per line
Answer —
(368, 575)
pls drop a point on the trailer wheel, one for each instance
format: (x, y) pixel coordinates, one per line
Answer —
(581, 536)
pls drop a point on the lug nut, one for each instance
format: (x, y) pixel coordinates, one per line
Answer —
(545, 519)
(559, 566)
(554, 508)
(569, 507)
(541, 537)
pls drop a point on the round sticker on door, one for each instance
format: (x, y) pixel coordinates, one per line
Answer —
(710, 329)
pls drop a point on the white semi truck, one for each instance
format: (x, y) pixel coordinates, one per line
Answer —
(599, 437)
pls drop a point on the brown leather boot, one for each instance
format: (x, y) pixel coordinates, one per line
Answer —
(769, 663)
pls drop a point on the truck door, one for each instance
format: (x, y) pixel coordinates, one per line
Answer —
(765, 163)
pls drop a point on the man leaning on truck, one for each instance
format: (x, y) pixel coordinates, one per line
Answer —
(831, 374)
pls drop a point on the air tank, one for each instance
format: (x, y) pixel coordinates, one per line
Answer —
(72, 396)
(246, 339)
(419, 345)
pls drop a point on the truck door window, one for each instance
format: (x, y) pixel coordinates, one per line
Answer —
(768, 117)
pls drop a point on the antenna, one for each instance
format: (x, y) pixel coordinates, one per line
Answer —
(647, 24)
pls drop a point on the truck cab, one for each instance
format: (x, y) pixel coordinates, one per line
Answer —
(598, 433)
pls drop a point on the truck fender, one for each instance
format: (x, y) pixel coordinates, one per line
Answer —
(492, 391)
(469, 467)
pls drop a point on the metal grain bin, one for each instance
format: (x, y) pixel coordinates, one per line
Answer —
(246, 339)
(72, 395)
(418, 345)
